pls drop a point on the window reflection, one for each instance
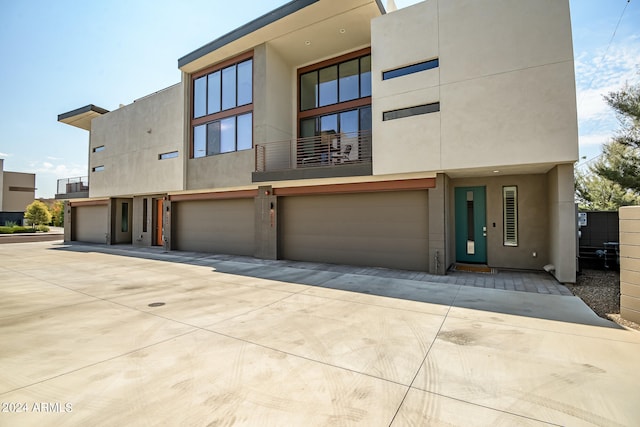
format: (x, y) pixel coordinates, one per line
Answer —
(365, 76)
(222, 92)
(330, 85)
(308, 91)
(228, 135)
(213, 138)
(349, 80)
(229, 87)
(245, 132)
(214, 92)
(200, 97)
(200, 141)
(245, 76)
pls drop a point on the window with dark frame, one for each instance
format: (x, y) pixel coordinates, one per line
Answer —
(335, 95)
(411, 111)
(336, 83)
(97, 169)
(125, 217)
(510, 212)
(144, 215)
(410, 69)
(169, 155)
(222, 120)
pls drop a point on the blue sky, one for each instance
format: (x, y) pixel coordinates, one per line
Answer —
(62, 55)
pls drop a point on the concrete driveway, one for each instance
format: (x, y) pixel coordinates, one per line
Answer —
(111, 336)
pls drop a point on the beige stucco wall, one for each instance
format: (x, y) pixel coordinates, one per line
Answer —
(505, 84)
(630, 263)
(562, 222)
(17, 200)
(134, 136)
(533, 223)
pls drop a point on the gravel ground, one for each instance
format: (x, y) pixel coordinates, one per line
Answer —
(600, 290)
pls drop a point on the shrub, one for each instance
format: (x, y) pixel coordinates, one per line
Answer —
(16, 229)
(10, 223)
(43, 228)
(6, 230)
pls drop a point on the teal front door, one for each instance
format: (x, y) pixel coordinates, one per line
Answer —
(471, 225)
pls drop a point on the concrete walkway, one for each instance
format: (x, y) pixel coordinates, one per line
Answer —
(115, 336)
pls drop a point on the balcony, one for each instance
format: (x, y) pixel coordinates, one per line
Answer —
(73, 188)
(324, 156)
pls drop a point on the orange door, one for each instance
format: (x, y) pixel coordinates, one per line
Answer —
(159, 222)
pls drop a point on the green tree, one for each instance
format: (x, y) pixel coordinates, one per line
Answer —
(595, 193)
(620, 162)
(37, 213)
(57, 213)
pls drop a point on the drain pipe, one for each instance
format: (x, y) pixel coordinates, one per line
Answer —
(436, 260)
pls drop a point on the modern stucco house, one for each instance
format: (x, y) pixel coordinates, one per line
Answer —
(333, 131)
(17, 191)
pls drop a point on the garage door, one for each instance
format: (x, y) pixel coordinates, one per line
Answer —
(388, 229)
(90, 224)
(216, 226)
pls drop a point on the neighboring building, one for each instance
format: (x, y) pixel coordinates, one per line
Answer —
(73, 188)
(17, 191)
(331, 131)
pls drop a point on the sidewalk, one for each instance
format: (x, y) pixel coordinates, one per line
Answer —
(54, 233)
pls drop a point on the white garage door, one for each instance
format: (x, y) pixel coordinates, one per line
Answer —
(90, 224)
(387, 229)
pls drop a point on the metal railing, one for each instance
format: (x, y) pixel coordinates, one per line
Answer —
(73, 185)
(327, 149)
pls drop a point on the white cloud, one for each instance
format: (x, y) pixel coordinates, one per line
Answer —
(61, 170)
(597, 76)
(4, 154)
(594, 139)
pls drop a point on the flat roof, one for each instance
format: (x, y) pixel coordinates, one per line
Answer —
(81, 117)
(252, 26)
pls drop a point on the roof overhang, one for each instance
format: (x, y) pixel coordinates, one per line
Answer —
(300, 30)
(81, 117)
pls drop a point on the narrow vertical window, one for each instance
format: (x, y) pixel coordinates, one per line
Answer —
(200, 141)
(213, 92)
(245, 82)
(349, 81)
(328, 86)
(125, 217)
(229, 88)
(309, 91)
(227, 135)
(200, 97)
(245, 132)
(144, 215)
(510, 201)
(365, 76)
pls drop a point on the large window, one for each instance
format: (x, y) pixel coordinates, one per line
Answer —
(222, 119)
(336, 83)
(335, 96)
(223, 136)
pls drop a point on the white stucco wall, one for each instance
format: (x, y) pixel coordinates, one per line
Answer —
(134, 136)
(505, 84)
